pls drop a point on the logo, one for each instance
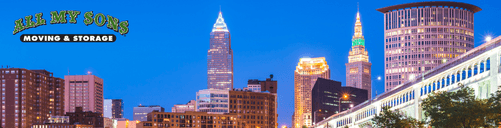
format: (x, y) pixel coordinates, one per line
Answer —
(61, 17)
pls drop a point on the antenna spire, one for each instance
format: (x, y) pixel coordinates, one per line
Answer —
(219, 8)
(358, 7)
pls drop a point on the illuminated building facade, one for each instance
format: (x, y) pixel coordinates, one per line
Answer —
(118, 108)
(107, 108)
(29, 97)
(256, 85)
(62, 126)
(328, 98)
(358, 68)
(191, 120)
(220, 57)
(306, 74)
(212, 101)
(113, 108)
(140, 112)
(84, 91)
(420, 36)
(255, 109)
(58, 119)
(181, 108)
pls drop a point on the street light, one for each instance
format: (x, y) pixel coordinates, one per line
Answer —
(372, 81)
(345, 96)
(488, 38)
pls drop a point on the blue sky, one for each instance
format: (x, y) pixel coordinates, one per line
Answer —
(162, 60)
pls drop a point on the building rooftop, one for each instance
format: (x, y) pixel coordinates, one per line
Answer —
(470, 7)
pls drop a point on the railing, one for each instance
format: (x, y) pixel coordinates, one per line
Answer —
(439, 69)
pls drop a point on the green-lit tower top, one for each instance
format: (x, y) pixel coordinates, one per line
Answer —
(358, 38)
(358, 52)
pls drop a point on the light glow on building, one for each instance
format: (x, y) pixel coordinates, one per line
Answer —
(305, 76)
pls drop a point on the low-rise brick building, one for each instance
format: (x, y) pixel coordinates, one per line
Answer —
(191, 119)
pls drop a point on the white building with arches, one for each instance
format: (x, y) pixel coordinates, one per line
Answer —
(478, 68)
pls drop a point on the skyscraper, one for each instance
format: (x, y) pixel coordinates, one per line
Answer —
(358, 68)
(84, 91)
(328, 97)
(220, 57)
(420, 36)
(29, 97)
(118, 108)
(305, 76)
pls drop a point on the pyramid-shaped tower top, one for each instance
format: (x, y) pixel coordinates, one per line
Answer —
(220, 25)
(358, 38)
(358, 28)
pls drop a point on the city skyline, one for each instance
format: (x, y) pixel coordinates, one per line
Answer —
(282, 52)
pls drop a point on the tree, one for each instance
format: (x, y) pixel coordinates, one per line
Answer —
(390, 119)
(304, 126)
(461, 109)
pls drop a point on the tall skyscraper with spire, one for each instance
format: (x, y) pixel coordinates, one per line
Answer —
(358, 68)
(307, 72)
(220, 57)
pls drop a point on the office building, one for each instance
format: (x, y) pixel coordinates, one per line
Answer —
(79, 116)
(29, 97)
(358, 68)
(118, 108)
(420, 36)
(254, 109)
(329, 96)
(181, 108)
(212, 101)
(141, 111)
(192, 120)
(84, 91)
(220, 57)
(305, 76)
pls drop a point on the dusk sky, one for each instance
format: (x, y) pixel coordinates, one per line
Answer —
(163, 59)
